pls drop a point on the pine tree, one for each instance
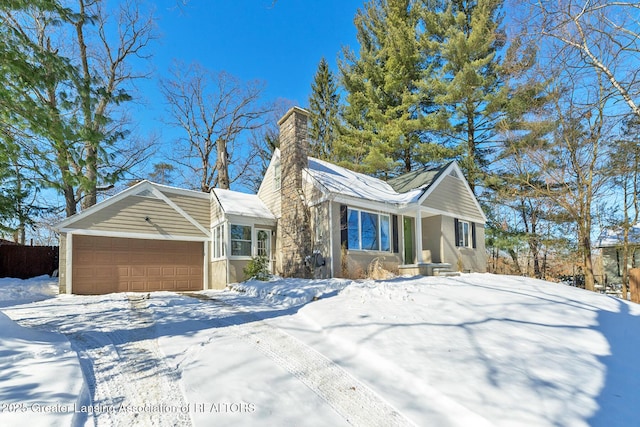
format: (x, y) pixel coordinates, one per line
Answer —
(324, 108)
(386, 116)
(469, 84)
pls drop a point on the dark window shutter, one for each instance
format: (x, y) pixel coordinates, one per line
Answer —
(473, 234)
(394, 219)
(344, 230)
(456, 228)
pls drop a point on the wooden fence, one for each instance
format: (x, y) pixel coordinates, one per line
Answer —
(24, 262)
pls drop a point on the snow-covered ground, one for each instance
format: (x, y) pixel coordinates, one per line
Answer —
(473, 350)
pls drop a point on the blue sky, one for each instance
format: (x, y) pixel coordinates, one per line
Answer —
(279, 43)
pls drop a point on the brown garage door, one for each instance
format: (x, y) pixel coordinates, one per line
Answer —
(105, 264)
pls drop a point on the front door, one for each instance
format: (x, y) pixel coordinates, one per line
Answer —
(409, 252)
(263, 247)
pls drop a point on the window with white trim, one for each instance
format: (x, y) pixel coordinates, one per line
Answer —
(368, 231)
(218, 242)
(240, 240)
(464, 234)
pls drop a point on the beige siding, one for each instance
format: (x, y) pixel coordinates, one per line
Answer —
(196, 207)
(216, 211)
(463, 259)
(236, 267)
(128, 215)
(62, 264)
(432, 239)
(268, 193)
(451, 196)
(218, 274)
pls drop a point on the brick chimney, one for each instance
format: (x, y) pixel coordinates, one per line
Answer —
(294, 232)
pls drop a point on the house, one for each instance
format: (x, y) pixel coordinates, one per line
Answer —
(611, 243)
(310, 218)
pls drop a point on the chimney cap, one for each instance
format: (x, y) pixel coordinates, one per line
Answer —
(291, 111)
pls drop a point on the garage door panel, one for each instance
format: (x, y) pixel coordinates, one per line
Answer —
(154, 272)
(104, 264)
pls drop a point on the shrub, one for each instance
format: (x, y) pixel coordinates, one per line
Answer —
(258, 268)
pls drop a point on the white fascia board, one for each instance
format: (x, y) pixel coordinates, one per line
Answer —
(432, 211)
(180, 191)
(103, 204)
(454, 166)
(126, 235)
(367, 204)
(249, 220)
(179, 210)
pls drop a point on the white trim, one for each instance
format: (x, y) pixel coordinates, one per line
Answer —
(181, 211)
(453, 166)
(418, 235)
(103, 204)
(69, 263)
(269, 246)
(368, 205)
(379, 216)
(128, 235)
(241, 257)
(251, 220)
(205, 266)
(226, 240)
(64, 225)
(427, 210)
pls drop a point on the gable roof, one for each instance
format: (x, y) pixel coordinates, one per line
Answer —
(190, 207)
(421, 178)
(242, 204)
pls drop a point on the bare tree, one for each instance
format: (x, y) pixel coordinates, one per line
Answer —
(213, 110)
(606, 36)
(73, 105)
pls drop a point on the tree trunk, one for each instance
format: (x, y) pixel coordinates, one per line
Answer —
(589, 280)
(514, 257)
(634, 284)
(223, 164)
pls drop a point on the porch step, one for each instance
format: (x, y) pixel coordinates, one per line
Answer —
(428, 269)
(445, 273)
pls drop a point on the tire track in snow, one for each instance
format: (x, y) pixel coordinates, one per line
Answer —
(127, 381)
(350, 398)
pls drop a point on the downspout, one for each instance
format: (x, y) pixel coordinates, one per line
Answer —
(226, 248)
(206, 264)
(69, 263)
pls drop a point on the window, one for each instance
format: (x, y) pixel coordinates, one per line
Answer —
(240, 240)
(218, 242)
(276, 175)
(368, 231)
(465, 234)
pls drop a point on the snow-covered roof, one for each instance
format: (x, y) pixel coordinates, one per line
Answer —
(615, 237)
(236, 203)
(345, 182)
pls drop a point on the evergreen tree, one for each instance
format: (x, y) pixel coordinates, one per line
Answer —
(64, 74)
(386, 116)
(324, 108)
(469, 85)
